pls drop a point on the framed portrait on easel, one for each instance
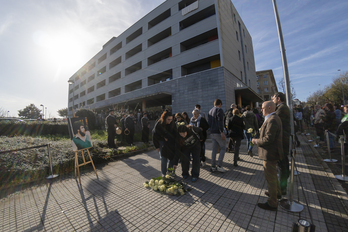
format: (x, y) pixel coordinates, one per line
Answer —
(79, 133)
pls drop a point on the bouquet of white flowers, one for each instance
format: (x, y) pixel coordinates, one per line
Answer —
(166, 185)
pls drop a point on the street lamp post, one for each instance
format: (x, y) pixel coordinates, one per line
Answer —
(43, 111)
(71, 82)
(344, 100)
(8, 113)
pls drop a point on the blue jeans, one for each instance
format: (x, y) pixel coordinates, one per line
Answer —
(217, 141)
(164, 160)
(331, 141)
(249, 137)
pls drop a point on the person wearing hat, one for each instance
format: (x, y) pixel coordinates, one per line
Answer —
(145, 125)
(129, 128)
(110, 125)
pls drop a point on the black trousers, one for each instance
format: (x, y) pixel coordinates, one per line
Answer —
(111, 138)
(145, 134)
(129, 137)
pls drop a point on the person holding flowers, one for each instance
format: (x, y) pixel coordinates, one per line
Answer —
(235, 127)
(190, 143)
(251, 127)
(164, 139)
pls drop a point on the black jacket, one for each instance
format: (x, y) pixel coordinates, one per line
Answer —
(168, 134)
(236, 127)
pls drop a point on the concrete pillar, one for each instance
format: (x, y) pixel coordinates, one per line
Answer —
(239, 100)
(143, 106)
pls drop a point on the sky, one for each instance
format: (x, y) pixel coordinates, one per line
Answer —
(43, 43)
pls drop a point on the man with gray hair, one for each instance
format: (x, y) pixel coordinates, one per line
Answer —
(270, 150)
(199, 121)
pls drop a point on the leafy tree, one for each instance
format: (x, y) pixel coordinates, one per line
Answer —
(90, 117)
(30, 111)
(63, 112)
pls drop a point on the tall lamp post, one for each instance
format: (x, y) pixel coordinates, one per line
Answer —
(290, 204)
(8, 113)
(71, 82)
(43, 111)
(344, 99)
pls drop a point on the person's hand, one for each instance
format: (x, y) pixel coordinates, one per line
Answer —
(223, 137)
(254, 141)
(157, 149)
(175, 166)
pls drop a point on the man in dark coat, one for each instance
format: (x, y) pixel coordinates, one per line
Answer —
(110, 124)
(145, 125)
(130, 128)
(283, 112)
(270, 150)
(122, 122)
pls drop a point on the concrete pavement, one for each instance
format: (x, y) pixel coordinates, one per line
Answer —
(117, 201)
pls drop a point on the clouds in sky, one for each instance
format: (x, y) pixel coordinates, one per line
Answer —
(43, 43)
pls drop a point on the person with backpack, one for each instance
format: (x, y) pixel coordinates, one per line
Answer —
(190, 144)
(251, 127)
(228, 116)
(236, 128)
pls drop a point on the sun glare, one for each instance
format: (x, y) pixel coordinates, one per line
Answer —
(63, 50)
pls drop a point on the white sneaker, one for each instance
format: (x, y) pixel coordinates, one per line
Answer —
(220, 169)
(203, 164)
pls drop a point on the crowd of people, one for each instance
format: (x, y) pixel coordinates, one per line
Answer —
(180, 138)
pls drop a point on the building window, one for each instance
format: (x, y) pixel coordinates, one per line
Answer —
(134, 51)
(90, 101)
(264, 75)
(116, 48)
(265, 90)
(243, 33)
(115, 62)
(102, 58)
(159, 19)
(257, 77)
(101, 97)
(246, 49)
(82, 83)
(83, 93)
(115, 77)
(234, 17)
(101, 71)
(159, 37)
(91, 66)
(239, 55)
(115, 92)
(265, 82)
(266, 97)
(203, 14)
(237, 35)
(90, 78)
(133, 68)
(241, 75)
(101, 84)
(91, 89)
(134, 35)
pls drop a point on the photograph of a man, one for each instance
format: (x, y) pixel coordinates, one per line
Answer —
(80, 135)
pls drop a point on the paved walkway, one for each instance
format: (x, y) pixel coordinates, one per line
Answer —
(117, 200)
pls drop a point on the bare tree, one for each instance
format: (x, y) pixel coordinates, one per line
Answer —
(3, 113)
(281, 88)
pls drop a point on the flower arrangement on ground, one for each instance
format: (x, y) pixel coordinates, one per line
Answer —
(166, 185)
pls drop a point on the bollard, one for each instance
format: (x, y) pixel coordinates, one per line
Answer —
(328, 149)
(342, 177)
(50, 160)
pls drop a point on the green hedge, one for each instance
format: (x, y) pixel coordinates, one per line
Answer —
(33, 128)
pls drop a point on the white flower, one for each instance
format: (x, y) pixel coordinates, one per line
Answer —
(160, 182)
(155, 187)
(146, 185)
(250, 130)
(167, 176)
(156, 182)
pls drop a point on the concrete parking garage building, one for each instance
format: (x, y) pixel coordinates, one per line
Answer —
(182, 53)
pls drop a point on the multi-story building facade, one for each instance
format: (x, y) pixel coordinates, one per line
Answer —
(266, 84)
(184, 52)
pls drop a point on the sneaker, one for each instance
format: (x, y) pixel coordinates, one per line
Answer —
(213, 169)
(202, 164)
(194, 179)
(235, 164)
(220, 169)
(184, 176)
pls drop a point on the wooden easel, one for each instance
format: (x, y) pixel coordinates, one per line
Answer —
(77, 165)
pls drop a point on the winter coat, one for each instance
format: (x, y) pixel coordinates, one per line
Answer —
(236, 127)
(250, 120)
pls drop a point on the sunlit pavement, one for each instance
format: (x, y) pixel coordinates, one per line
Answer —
(117, 200)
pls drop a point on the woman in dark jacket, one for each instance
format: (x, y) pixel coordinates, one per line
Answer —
(189, 141)
(186, 117)
(164, 139)
(236, 129)
(330, 123)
